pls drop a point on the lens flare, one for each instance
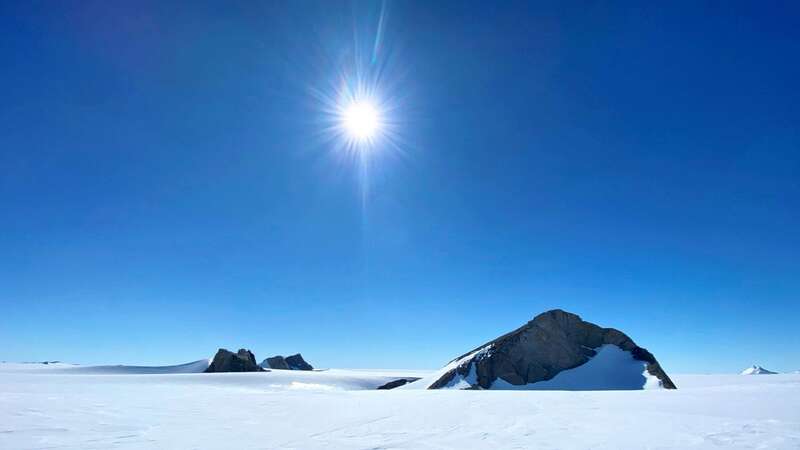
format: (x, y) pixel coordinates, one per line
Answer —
(361, 102)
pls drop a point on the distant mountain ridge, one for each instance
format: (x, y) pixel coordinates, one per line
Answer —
(757, 370)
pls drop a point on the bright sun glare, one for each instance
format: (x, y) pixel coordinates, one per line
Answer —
(361, 120)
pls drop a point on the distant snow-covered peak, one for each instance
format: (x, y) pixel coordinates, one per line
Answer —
(757, 370)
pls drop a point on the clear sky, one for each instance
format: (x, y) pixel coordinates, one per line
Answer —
(167, 187)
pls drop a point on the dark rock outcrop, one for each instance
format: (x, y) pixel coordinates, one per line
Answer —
(397, 383)
(275, 362)
(227, 361)
(550, 343)
(296, 362)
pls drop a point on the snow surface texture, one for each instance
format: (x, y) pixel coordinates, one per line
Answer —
(57, 406)
(757, 370)
(610, 369)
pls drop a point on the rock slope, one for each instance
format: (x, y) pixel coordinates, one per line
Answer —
(553, 342)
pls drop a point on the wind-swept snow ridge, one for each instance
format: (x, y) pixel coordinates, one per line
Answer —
(459, 382)
(192, 367)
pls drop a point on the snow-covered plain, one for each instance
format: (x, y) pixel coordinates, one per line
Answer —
(62, 407)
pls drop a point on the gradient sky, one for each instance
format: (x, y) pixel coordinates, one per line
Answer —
(166, 188)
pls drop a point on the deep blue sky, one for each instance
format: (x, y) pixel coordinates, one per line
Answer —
(164, 189)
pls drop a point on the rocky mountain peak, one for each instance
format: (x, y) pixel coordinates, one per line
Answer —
(550, 343)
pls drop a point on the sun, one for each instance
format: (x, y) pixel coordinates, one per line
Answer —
(361, 120)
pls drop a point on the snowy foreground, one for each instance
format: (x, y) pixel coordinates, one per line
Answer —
(60, 407)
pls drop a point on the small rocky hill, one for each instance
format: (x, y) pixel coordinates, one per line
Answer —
(293, 362)
(227, 361)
